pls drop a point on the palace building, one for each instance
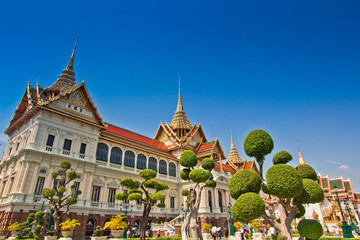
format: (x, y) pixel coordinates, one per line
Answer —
(61, 122)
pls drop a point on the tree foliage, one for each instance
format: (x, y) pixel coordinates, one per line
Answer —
(306, 171)
(312, 192)
(243, 181)
(258, 144)
(59, 197)
(283, 181)
(140, 191)
(282, 157)
(248, 206)
(201, 177)
(311, 229)
(291, 187)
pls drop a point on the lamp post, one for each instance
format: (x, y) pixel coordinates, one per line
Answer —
(125, 212)
(232, 232)
(49, 222)
(345, 226)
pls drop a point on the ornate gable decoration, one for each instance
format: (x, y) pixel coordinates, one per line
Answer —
(77, 98)
(113, 183)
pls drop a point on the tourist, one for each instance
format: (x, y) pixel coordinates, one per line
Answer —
(272, 232)
(158, 233)
(242, 232)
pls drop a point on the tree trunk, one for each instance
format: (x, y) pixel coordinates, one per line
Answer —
(144, 221)
(284, 232)
(56, 222)
(184, 227)
(194, 233)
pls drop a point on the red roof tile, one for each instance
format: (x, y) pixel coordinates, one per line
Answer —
(206, 145)
(225, 167)
(135, 136)
(247, 165)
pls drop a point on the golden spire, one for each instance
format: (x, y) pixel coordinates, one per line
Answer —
(179, 106)
(67, 77)
(180, 120)
(301, 159)
(234, 157)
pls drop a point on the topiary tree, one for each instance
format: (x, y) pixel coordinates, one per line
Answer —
(258, 144)
(140, 191)
(200, 178)
(59, 198)
(310, 229)
(31, 226)
(291, 186)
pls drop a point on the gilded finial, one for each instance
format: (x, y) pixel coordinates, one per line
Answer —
(232, 140)
(301, 159)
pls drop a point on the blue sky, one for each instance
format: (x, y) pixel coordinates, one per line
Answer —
(288, 67)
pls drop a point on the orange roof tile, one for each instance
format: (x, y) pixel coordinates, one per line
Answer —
(135, 136)
(225, 167)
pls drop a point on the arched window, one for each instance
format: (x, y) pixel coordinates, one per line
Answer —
(210, 201)
(102, 152)
(90, 227)
(141, 161)
(116, 155)
(162, 167)
(172, 169)
(152, 164)
(129, 160)
(221, 202)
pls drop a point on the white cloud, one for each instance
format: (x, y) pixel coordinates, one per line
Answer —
(344, 167)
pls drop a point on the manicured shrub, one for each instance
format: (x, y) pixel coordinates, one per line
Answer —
(283, 181)
(210, 183)
(300, 211)
(248, 206)
(306, 171)
(312, 192)
(184, 174)
(310, 229)
(134, 197)
(188, 159)
(208, 164)
(243, 181)
(185, 192)
(147, 174)
(199, 175)
(258, 143)
(282, 157)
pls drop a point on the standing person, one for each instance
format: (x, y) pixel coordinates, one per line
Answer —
(272, 232)
(337, 232)
(242, 232)
(128, 233)
(158, 233)
(220, 234)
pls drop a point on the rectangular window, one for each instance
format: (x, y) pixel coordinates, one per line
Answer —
(10, 151)
(11, 184)
(50, 140)
(82, 148)
(39, 185)
(111, 197)
(67, 144)
(172, 202)
(95, 197)
(162, 201)
(77, 186)
(2, 188)
(17, 146)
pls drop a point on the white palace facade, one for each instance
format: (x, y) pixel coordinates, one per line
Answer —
(61, 122)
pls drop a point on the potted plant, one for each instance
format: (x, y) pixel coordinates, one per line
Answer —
(206, 227)
(256, 226)
(98, 234)
(248, 236)
(13, 227)
(68, 226)
(116, 225)
(237, 227)
(51, 234)
(3, 234)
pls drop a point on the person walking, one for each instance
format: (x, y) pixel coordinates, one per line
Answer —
(242, 232)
